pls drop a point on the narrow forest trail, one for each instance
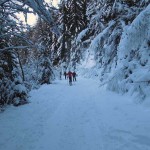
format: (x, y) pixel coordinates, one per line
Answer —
(80, 117)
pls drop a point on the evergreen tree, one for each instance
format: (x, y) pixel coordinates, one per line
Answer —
(44, 41)
(63, 19)
(12, 88)
(45, 72)
(73, 19)
(109, 19)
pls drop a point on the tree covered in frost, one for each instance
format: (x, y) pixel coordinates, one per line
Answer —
(132, 73)
(13, 42)
(44, 40)
(12, 89)
(45, 72)
(77, 19)
(43, 55)
(63, 19)
(72, 20)
(110, 21)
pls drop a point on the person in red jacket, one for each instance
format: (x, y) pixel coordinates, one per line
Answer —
(69, 74)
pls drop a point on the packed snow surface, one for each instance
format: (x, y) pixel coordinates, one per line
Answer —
(78, 117)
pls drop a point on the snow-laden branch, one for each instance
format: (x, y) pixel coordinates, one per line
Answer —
(3, 2)
(16, 47)
(39, 7)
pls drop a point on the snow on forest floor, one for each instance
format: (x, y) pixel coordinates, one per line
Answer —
(80, 117)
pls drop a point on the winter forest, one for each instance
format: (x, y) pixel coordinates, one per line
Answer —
(106, 41)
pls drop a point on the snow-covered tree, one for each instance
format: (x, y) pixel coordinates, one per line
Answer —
(13, 41)
(132, 72)
(45, 72)
(44, 52)
(77, 16)
(73, 19)
(109, 22)
(12, 88)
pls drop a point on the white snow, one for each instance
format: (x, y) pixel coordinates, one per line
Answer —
(136, 35)
(89, 62)
(81, 35)
(80, 117)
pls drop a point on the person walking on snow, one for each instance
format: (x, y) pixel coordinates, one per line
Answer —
(65, 74)
(69, 74)
(60, 75)
(74, 76)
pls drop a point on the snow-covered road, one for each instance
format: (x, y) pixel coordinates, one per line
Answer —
(80, 117)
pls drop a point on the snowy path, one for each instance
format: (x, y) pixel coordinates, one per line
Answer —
(81, 117)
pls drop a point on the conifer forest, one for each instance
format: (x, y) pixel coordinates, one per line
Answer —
(115, 32)
(106, 44)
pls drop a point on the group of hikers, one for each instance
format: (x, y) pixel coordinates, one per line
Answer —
(70, 75)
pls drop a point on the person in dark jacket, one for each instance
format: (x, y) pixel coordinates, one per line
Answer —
(74, 76)
(69, 74)
(65, 74)
(60, 75)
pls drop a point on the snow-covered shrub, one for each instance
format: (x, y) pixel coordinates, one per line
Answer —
(45, 72)
(12, 88)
